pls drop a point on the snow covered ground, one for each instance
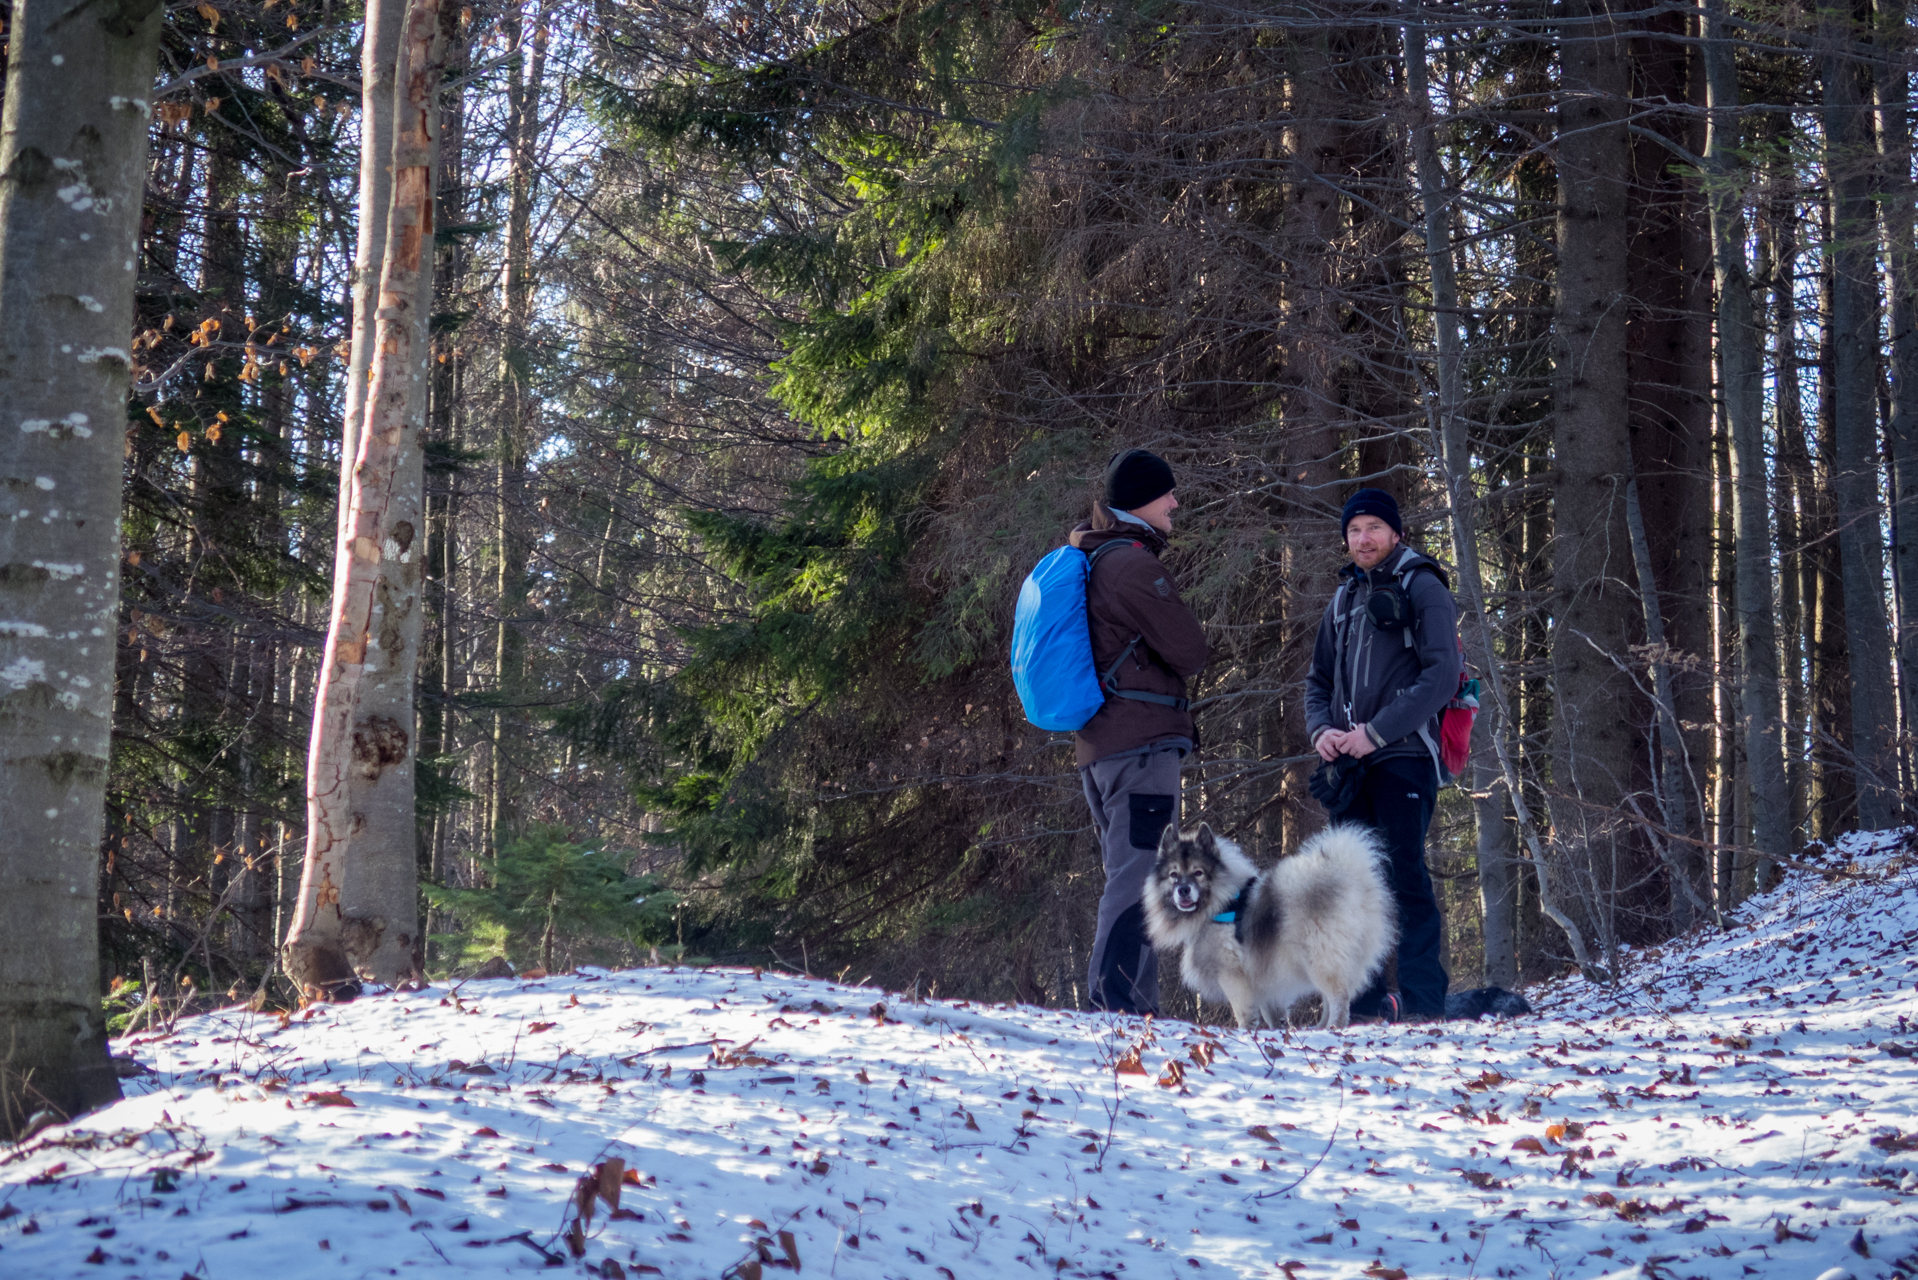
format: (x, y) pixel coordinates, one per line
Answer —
(1735, 1108)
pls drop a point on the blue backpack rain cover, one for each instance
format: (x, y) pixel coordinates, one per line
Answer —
(1052, 663)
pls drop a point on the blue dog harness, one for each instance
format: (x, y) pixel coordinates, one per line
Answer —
(1234, 913)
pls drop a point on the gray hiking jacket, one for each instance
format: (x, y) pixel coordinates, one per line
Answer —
(1361, 675)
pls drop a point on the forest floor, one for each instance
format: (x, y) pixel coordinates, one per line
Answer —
(1738, 1106)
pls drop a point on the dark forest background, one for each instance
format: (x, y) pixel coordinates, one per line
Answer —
(774, 343)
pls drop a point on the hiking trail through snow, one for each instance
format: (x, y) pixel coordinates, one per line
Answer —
(1737, 1106)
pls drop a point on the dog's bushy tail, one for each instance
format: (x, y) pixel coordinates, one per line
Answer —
(1350, 847)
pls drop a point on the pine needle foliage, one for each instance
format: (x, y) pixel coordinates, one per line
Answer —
(547, 889)
(870, 164)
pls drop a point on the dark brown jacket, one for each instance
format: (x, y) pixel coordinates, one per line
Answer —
(1132, 595)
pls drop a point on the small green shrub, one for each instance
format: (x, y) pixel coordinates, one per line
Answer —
(546, 887)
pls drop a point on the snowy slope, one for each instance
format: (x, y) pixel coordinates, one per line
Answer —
(1731, 1110)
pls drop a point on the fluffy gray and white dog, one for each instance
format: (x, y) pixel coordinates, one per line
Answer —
(1321, 921)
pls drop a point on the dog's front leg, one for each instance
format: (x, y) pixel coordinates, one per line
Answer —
(1244, 1001)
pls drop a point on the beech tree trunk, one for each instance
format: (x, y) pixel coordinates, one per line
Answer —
(378, 56)
(1742, 370)
(358, 909)
(72, 169)
(1854, 331)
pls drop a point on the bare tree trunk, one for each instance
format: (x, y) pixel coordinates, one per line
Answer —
(1496, 860)
(358, 912)
(1668, 342)
(72, 167)
(377, 60)
(1596, 730)
(518, 408)
(1798, 589)
(1901, 289)
(1674, 772)
(1454, 452)
(1835, 782)
(1854, 325)
(1742, 369)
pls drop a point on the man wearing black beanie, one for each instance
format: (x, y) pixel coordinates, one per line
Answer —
(1145, 644)
(1384, 665)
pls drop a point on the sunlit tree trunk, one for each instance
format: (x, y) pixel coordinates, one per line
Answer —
(378, 58)
(72, 167)
(358, 910)
(518, 408)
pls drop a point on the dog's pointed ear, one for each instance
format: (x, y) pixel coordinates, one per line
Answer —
(1208, 844)
(1169, 839)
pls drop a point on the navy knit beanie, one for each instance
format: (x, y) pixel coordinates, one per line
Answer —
(1136, 477)
(1372, 502)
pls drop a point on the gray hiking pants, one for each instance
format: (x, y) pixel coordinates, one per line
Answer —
(1132, 798)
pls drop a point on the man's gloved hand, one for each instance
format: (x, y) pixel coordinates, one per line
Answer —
(1335, 783)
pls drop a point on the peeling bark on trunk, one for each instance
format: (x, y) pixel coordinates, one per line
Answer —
(72, 167)
(358, 910)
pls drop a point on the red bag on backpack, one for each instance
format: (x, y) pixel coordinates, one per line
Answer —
(1455, 727)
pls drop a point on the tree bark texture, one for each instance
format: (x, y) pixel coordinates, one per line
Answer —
(1854, 331)
(72, 167)
(1742, 371)
(1797, 586)
(1668, 364)
(519, 407)
(378, 60)
(1497, 861)
(358, 912)
(1496, 867)
(1674, 774)
(1834, 781)
(1597, 728)
(1893, 82)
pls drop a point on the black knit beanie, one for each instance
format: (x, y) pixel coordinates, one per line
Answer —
(1372, 502)
(1134, 478)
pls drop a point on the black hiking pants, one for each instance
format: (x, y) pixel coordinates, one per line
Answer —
(1396, 799)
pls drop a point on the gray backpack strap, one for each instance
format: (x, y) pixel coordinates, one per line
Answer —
(1338, 647)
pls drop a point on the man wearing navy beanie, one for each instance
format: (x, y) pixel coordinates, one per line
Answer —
(1384, 665)
(1145, 645)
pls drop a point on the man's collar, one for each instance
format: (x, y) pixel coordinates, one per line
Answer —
(1129, 518)
(1389, 565)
